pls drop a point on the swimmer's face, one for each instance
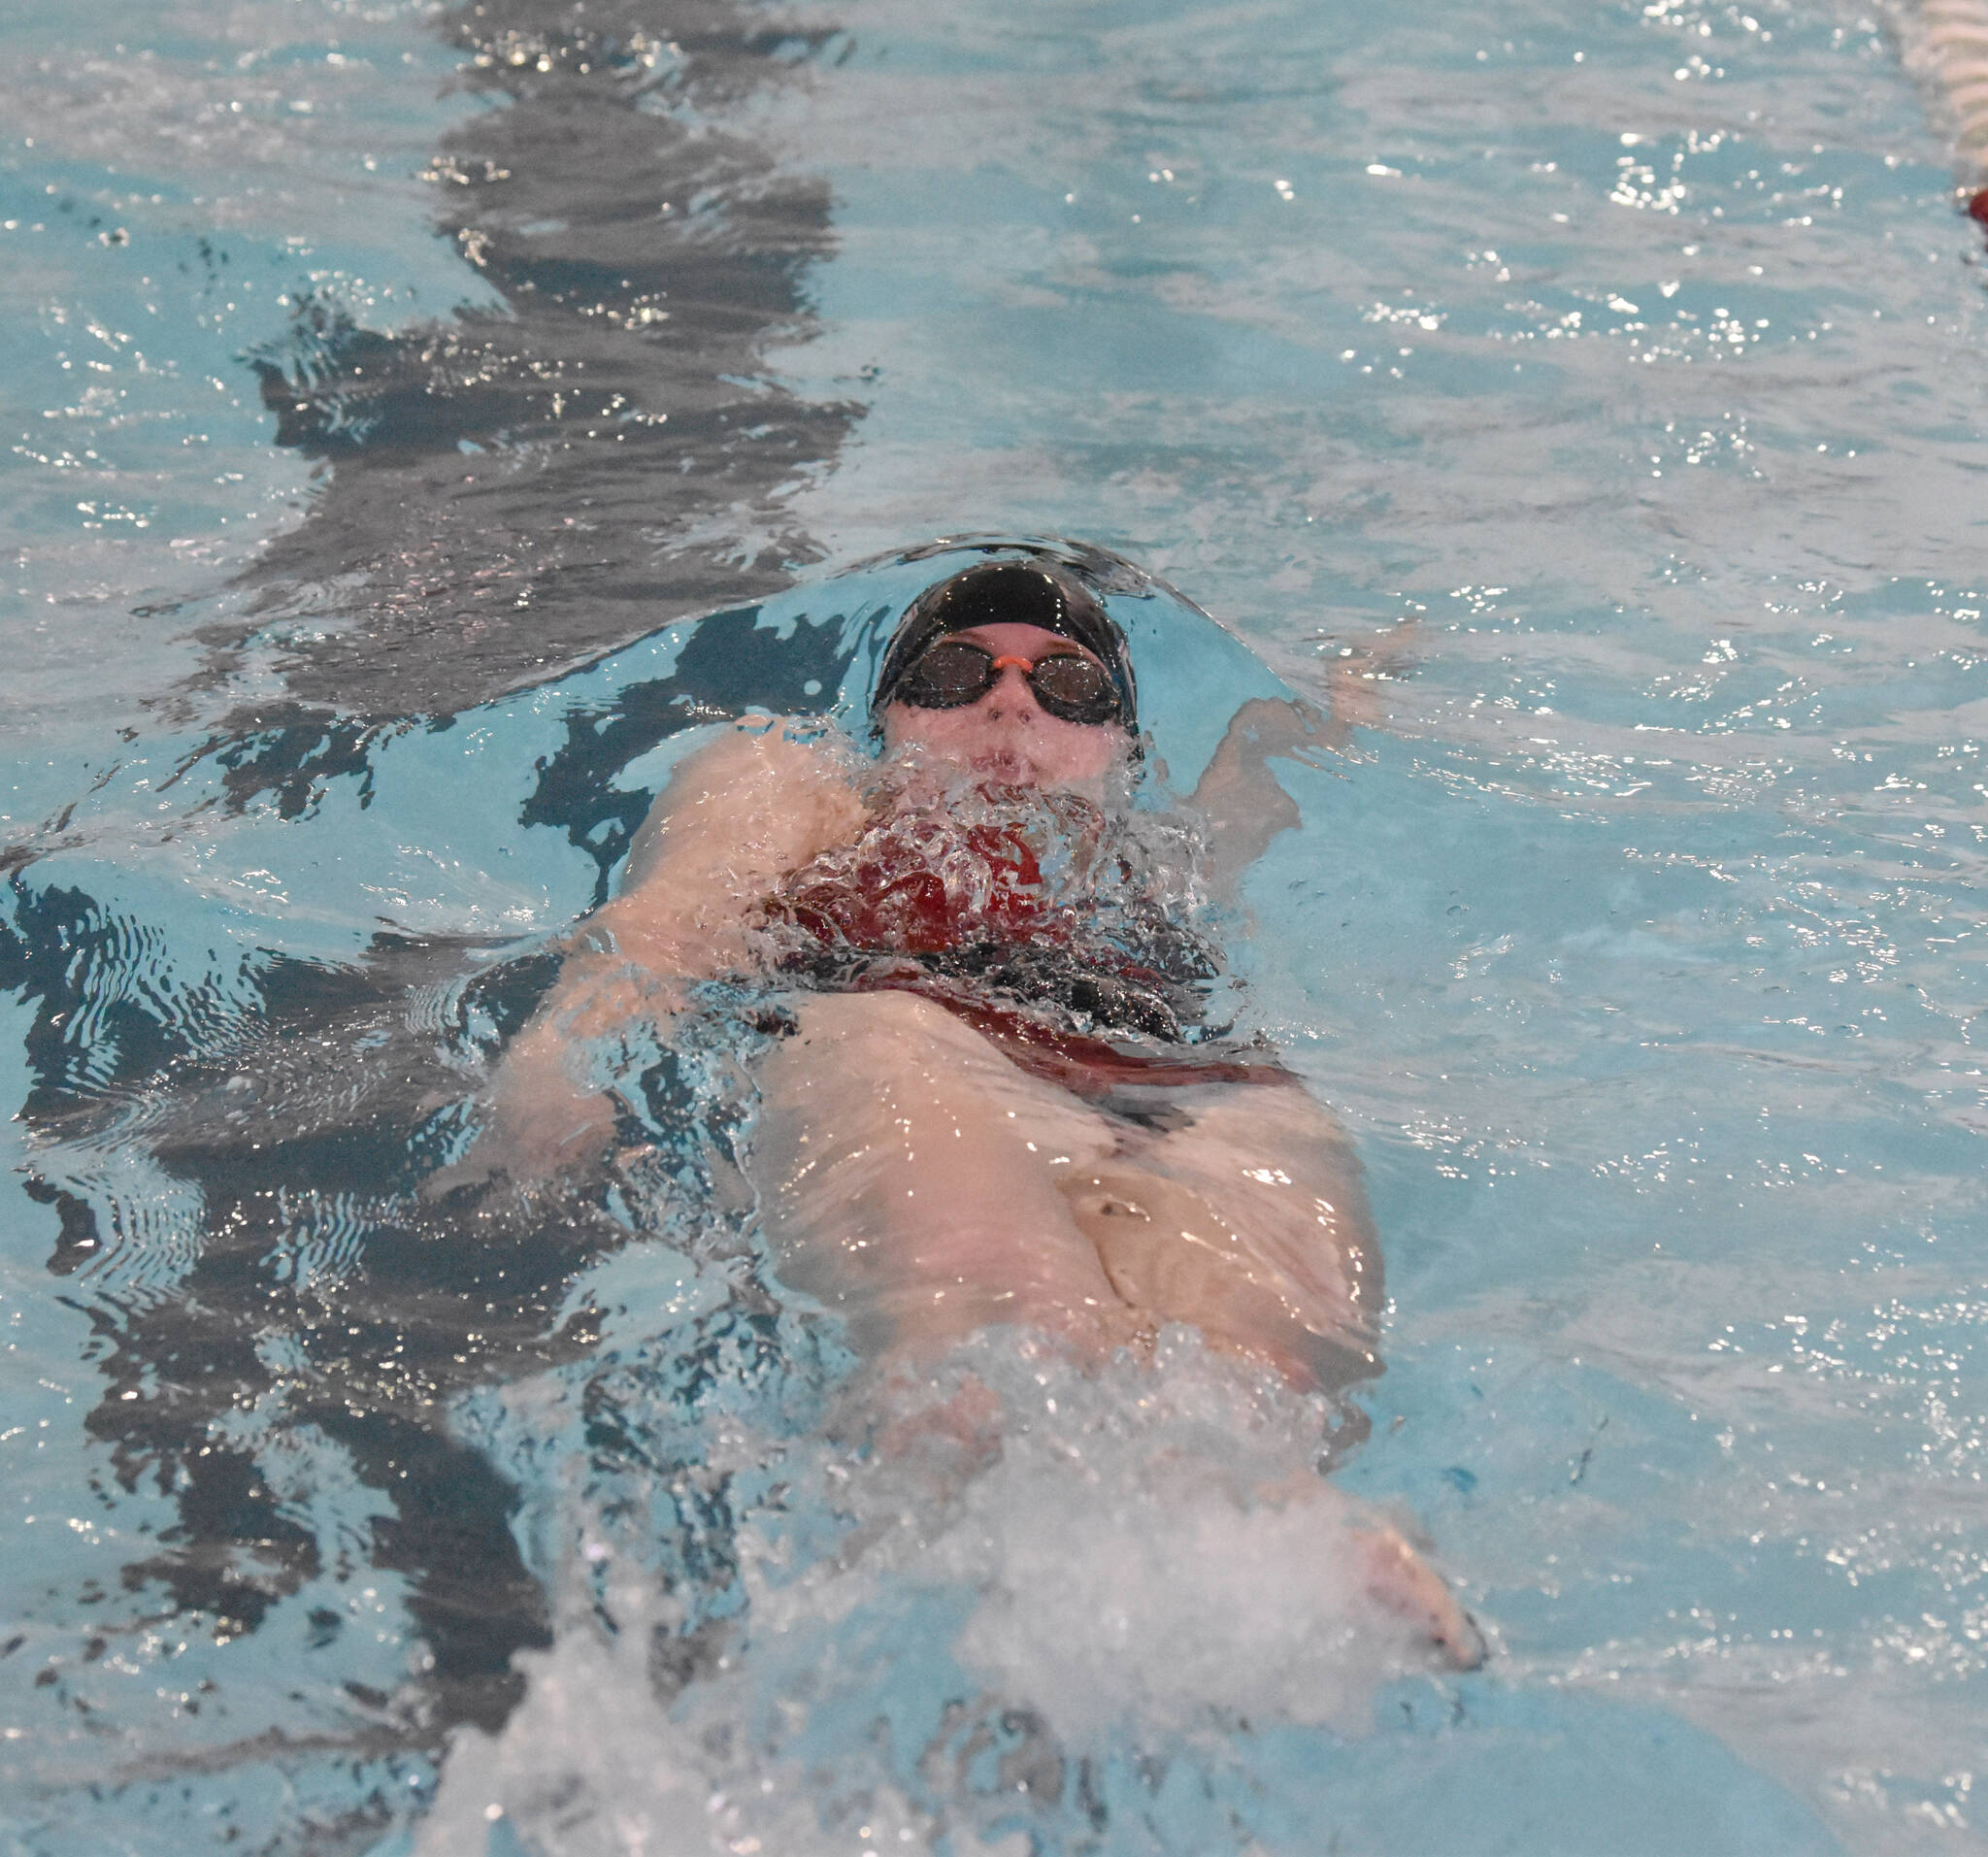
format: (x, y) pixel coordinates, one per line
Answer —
(1007, 734)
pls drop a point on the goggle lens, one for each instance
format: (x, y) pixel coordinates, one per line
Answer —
(953, 673)
(949, 677)
(1078, 689)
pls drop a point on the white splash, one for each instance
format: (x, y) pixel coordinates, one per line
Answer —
(1143, 1560)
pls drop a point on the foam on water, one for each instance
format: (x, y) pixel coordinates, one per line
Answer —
(1018, 1572)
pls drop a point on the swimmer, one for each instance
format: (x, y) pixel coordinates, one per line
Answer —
(984, 1110)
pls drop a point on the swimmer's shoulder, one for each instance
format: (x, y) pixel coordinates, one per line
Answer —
(766, 753)
(766, 783)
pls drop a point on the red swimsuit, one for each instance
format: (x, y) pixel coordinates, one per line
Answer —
(999, 920)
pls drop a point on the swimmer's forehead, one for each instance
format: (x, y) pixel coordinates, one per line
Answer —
(1034, 641)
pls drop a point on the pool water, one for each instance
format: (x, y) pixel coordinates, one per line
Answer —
(421, 419)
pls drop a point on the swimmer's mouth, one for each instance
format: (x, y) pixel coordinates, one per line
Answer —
(1005, 764)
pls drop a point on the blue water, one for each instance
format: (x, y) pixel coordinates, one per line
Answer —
(1599, 380)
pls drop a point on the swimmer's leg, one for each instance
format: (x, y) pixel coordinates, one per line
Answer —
(908, 1173)
(1247, 1220)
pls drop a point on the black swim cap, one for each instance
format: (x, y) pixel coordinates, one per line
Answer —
(1010, 593)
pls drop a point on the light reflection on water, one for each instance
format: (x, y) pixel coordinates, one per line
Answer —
(1609, 376)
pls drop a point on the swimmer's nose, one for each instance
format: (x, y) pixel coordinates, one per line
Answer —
(1010, 694)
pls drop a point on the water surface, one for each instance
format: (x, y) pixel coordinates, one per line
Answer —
(1598, 378)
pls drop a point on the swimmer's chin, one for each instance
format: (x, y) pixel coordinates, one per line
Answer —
(994, 772)
(989, 767)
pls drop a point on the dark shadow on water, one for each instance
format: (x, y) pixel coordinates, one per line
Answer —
(302, 1123)
(501, 493)
(303, 1145)
(287, 754)
(506, 492)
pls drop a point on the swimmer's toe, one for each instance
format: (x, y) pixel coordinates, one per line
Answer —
(1462, 1645)
(1404, 1583)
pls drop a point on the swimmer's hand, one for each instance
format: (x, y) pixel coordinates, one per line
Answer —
(1392, 1574)
(531, 1149)
(1291, 727)
(541, 1123)
(1357, 680)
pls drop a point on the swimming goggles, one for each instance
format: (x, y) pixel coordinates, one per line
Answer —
(953, 673)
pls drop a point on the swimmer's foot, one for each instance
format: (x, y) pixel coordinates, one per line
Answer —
(963, 1430)
(1405, 1585)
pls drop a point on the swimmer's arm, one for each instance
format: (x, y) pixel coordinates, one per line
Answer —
(1242, 800)
(737, 816)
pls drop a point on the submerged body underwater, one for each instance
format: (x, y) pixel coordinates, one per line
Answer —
(1592, 397)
